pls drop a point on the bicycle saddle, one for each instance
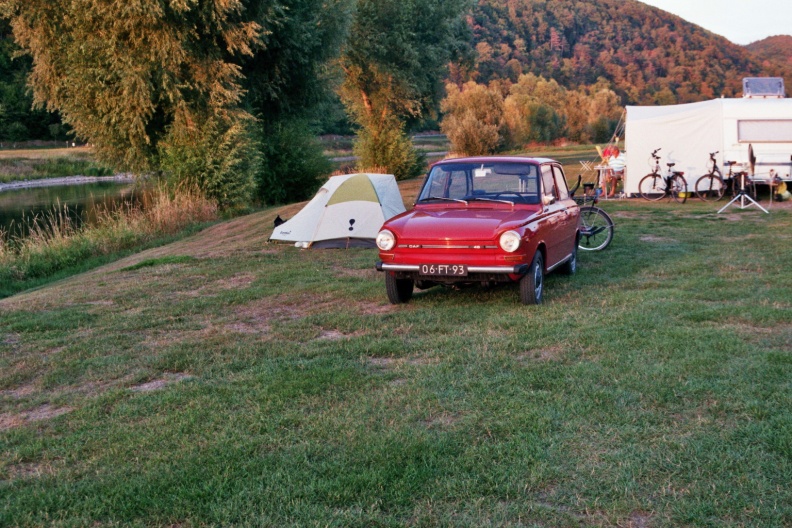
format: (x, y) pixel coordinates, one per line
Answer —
(670, 164)
(728, 163)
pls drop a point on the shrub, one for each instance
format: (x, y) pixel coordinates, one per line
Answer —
(292, 162)
(474, 119)
(215, 157)
(389, 148)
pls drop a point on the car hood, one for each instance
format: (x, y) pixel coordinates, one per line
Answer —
(463, 223)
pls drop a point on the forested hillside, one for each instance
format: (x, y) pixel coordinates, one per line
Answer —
(650, 56)
(776, 51)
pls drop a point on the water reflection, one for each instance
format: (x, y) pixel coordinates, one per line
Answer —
(18, 207)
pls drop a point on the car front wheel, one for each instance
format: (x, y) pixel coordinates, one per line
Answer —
(399, 290)
(532, 283)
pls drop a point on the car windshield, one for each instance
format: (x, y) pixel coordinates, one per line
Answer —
(503, 181)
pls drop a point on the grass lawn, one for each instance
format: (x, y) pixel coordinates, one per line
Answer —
(223, 381)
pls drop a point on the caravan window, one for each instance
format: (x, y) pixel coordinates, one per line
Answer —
(764, 130)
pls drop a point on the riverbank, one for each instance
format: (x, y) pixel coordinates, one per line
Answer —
(67, 180)
(55, 245)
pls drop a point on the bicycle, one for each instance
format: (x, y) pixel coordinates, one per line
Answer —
(711, 186)
(655, 186)
(596, 226)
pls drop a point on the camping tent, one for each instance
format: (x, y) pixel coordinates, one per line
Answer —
(348, 211)
(688, 133)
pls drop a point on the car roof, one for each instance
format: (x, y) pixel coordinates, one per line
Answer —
(497, 159)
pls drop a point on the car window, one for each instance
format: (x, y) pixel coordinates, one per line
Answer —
(459, 184)
(548, 183)
(507, 181)
(561, 184)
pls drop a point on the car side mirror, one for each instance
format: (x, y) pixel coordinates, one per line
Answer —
(548, 200)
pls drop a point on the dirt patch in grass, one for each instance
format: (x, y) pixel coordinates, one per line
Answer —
(388, 363)
(20, 392)
(44, 412)
(10, 340)
(283, 308)
(28, 470)
(160, 383)
(628, 214)
(368, 274)
(335, 335)
(639, 519)
(236, 282)
(657, 239)
(240, 280)
(443, 420)
(543, 354)
(258, 316)
(372, 308)
(382, 363)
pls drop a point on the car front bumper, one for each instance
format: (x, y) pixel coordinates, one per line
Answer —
(519, 269)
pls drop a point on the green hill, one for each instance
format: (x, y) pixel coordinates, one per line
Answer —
(649, 55)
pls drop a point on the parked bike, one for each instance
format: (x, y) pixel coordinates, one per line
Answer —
(656, 186)
(596, 226)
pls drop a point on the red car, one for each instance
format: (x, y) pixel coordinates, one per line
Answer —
(483, 220)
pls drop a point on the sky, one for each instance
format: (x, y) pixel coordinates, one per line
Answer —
(740, 21)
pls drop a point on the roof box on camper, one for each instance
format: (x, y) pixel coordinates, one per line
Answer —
(763, 87)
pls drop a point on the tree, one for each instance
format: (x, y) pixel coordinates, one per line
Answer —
(137, 77)
(18, 120)
(288, 84)
(394, 60)
(474, 119)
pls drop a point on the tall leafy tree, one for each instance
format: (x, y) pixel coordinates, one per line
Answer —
(394, 62)
(288, 81)
(140, 77)
(18, 120)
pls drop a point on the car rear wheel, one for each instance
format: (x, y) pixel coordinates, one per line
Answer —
(399, 290)
(532, 283)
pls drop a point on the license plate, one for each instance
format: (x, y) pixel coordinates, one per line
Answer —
(456, 270)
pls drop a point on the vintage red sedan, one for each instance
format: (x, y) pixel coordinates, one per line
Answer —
(483, 220)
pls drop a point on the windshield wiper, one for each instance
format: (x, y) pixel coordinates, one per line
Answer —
(444, 199)
(480, 199)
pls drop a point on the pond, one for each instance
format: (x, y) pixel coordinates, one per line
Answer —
(19, 206)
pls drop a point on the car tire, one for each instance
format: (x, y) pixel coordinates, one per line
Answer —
(570, 266)
(532, 283)
(399, 290)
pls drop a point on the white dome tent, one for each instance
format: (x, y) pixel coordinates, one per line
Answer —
(348, 211)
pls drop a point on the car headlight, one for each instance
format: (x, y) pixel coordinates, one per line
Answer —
(510, 241)
(386, 240)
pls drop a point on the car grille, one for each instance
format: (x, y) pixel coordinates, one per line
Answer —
(442, 246)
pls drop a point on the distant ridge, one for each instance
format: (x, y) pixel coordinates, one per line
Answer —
(648, 55)
(776, 49)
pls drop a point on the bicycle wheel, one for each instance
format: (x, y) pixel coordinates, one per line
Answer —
(679, 188)
(596, 229)
(710, 187)
(652, 187)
